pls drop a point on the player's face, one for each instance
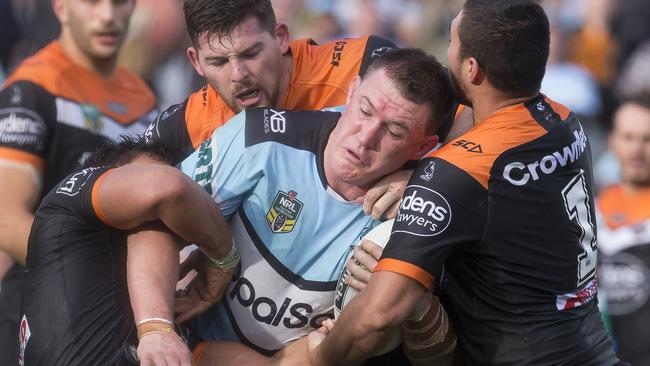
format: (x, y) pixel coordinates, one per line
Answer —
(455, 61)
(630, 141)
(379, 131)
(247, 67)
(97, 27)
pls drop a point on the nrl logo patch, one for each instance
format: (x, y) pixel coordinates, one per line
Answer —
(284, 212)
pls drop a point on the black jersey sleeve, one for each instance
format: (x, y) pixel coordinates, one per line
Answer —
(442, 208)
(27, 118)
(375, 47)
(170, 129)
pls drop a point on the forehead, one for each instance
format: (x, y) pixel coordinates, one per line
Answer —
(244, 35)
(632, 118)
(380, 91)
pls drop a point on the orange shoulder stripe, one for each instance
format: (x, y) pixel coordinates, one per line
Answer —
(95, 199)
(204, 113)
(23, 157)
(476, 151)
(406, 269)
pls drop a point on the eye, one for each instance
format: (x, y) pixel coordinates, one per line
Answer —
(365, 112)
(219, 62)
(251, 54)
(393, 134)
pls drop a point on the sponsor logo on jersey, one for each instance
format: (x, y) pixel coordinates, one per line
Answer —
(92, 117)
(519, 173)
(203, 169)
(469, 146)
(73, 184)
(21, 127)
(338, 52)
(428, 171)
(275, 122)
(290, 314)
(625, 279)
(23, 338)
(284, 212)
(423, 212)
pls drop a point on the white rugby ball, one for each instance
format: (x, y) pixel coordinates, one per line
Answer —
(344, 293)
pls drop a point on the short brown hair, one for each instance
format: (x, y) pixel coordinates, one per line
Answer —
(219, 17)
(421, 79)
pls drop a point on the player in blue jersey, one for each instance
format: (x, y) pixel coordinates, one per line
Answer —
(287, 182)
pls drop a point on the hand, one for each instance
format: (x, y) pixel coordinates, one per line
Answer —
(164, 349)
(205, 290)
(360, 265)
(383, 198)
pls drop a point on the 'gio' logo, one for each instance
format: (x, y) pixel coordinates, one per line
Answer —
(265, 310)
(338, 52)
(423, 212)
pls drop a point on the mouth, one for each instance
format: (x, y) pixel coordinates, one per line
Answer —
(248, 97)
(354, 157)
(108, 38)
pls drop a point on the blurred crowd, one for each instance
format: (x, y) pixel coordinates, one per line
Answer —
(599, 54)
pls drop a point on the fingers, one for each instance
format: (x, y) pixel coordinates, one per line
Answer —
(372, 249)
(372, 196)
(386, 201)
(162, 349)
(391, 212)
(383, 198)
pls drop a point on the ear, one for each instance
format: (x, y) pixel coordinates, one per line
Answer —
(352, 89)
(427, 145)
(282, 35)
(193, 56)
(59, 8)
(475, 74)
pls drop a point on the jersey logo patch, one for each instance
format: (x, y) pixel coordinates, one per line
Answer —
(428, 171)
(92, 118)
(73, 184)
(276, 123)
(284, 212)
(23, 338)
(469, 146)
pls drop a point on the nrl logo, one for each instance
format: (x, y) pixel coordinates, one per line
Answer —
(92, 118)
(284, 212)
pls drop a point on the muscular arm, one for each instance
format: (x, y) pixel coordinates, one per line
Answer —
(19, 191)
(134, 194)
(152, 271)
(385, 303)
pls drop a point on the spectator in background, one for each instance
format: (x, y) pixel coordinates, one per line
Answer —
(55, 108)
(624, 233)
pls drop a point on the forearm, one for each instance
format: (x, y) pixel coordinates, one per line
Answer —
(152, 272)
(430, 340)
(368, 321)
(196, 218)
(15, 224)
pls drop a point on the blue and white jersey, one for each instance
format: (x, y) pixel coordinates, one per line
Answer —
(265, 169)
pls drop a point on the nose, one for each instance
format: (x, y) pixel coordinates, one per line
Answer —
(106, 10)
(369, 134)
(239, 70)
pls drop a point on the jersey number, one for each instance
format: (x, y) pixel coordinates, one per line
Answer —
(576, 202)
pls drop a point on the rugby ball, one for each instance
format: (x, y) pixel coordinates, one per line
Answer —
(344, 293)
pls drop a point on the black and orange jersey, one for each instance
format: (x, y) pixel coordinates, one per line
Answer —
(320, 76)
(53, 112)
(76, 268)
(503, 218)
(624, 276)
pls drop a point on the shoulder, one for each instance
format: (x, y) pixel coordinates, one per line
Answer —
(42, 68)
(304, 130)
(524, 129)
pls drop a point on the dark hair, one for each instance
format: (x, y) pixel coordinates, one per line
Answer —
(510, 40)
(125, 149)
(642, 99)
(420, 79)
(219, 17)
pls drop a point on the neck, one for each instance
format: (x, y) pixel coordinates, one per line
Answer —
(633, 188)
(103, 67)
(287, 63)
(486, 104)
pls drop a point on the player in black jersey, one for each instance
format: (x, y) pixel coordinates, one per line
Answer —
(501, 219)
(76, 307)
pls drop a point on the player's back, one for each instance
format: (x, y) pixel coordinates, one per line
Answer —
(524, 291)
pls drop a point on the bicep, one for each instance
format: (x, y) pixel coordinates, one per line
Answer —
(131, 195)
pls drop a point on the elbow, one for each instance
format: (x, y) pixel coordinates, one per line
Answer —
(169, 189)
